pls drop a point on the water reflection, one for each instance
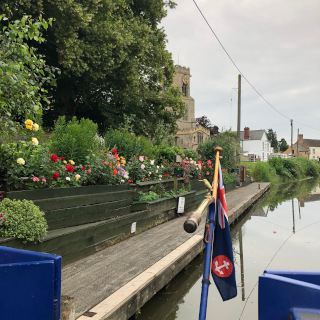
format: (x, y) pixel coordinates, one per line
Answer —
(280, 233)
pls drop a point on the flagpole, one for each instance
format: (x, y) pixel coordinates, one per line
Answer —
(209, 242)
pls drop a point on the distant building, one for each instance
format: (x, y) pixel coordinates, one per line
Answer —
(255, 145)
(306, 148)
(189, 136)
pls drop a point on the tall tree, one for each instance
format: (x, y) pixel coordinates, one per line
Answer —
(113, 60)
(272, 137)
(23, 72)
(203, 121)
(283, 145)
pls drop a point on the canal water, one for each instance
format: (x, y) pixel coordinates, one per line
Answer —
(282, 232)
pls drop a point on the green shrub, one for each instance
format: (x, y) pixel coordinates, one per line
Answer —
(261, 172)
(128, 144)
(74, 140)
(22, 220)
(228, 141)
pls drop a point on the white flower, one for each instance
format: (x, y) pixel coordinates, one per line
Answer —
(126, 175)
(160, 176)
(152, 162)
(150, 173)
(35, 141)
(21, 161)
(68, 178)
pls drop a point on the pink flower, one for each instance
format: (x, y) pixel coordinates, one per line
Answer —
(199, 155)
(4, 219)
(143, 166)
(44, 180)
(207, 173)
(209, 161)
(89, 171)
(35, 179)
(2, 196)
(1, 215)
(141, 158)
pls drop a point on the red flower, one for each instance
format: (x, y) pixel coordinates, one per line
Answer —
(199, 156)
(147, 179)
(69, 168)
(54, 158)
(89, 171)
(207, 173)
(129, 180)
(114, 151)
(62, 158)
(83, 169)
(114, 172)
(210, 167)
(55, 176)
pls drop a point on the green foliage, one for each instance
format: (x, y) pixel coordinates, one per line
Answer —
(272, 137)
(261, 172)
(158, 189)
(147, 196)
(168, 153)
(24, 74)
(74, 139)
(128, 144)
(283, 146)
(24, 220)
(228, 142)
(113, 58)
(278, 170)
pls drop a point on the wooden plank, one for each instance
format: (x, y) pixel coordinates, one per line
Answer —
(62, 192)
(79, 216)
(82, 200)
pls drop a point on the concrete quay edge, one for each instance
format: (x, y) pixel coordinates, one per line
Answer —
(123, 303)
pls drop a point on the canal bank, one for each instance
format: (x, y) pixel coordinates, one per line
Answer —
(117, 281)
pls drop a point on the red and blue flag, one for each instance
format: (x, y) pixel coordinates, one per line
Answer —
(222, 267)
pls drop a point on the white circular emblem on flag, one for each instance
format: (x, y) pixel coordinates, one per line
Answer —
(222, 266)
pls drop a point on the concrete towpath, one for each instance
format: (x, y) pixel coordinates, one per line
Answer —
(115, 282)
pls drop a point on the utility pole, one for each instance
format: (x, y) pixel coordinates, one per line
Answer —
(291, 137)
(298, 144)
(239, 106)
(239, 111)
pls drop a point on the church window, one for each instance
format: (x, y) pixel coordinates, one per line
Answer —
(184, 89)
(185, 117)
(200, 138)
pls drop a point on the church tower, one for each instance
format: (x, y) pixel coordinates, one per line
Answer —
(182, 80)
(189, 136)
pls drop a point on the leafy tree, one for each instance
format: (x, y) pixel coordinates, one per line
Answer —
(113, 60)
(203, 121)
(228, 141)
(272, 137)
(283, 145)
(23, 72)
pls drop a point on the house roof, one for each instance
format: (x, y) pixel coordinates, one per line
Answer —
(312, 142)
(301, 148)
(253, 134)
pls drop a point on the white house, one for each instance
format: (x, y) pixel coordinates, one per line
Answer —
(255, 144)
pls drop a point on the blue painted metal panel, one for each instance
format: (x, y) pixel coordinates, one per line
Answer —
(279, 291)
(30, 284)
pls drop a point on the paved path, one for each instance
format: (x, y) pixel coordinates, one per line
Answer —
(119, 279)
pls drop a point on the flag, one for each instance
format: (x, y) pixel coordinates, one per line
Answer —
(222, 268)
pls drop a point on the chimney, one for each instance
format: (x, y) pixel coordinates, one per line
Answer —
(300, 139)
(246, 133)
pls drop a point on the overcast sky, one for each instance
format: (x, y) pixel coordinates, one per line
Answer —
(276, 46)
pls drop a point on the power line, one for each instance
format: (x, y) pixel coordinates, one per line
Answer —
(224, 49)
